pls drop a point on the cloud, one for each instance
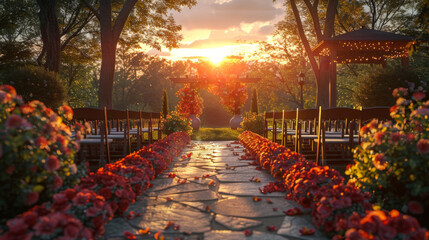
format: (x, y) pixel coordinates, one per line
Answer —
(154, 51)
(266, 30)
(210, 14)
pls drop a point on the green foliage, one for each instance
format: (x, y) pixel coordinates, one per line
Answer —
(215, 134)
(175, 122)
(34, 83)
(164, 104)
(254, 102)
(392, 162)
(374, 87)
(253, 123)
(37, 153)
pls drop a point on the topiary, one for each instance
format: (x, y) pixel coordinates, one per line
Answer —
(375, 87)
(253, 123)
(254, 102)
(35, 83)
(175, 122)
(164, 104)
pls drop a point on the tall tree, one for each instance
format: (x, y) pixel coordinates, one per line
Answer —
(148, 18)
(50, 33)
(323, 22)
(18, 31)
(60, 22)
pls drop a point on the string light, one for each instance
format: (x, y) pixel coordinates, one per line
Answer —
(366, 51)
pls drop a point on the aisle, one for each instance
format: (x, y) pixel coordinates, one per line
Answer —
(210, 196)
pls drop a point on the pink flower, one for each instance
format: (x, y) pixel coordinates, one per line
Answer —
(17, 225)
(31, 198)
(5, 97)
(398, 92)
(423, 146)
(52, 163)
(380, 161)
(45, 226)
(14, 121)
(41, 142)
(410, 137)
(57, 182)
(72, 228)
(415, 207)
(379, 138)
(418, 96)
(395, 137)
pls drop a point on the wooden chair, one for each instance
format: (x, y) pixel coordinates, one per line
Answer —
(273, 118)
(304, 119)
(288, 128)
(94, 149)
(342, 141)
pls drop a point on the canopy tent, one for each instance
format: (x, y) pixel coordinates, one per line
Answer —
(361, 46)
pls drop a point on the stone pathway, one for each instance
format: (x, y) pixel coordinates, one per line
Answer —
(219, 205)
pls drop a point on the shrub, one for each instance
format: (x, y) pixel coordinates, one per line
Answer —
(175, 122)
(374, 88)
(392, 162)
(36, 150)
(164, 104)
(34, 83)
(254, 102)
(253, 123)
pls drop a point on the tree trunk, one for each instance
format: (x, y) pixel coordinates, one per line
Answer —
(107, 71)
(109, 34)
(50, 34)
(323, 83)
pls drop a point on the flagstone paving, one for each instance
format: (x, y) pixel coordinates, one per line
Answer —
(211, 197)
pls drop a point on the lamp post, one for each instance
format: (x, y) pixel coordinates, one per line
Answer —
(301, 78)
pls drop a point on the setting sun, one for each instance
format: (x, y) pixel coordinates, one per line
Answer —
(214, 55)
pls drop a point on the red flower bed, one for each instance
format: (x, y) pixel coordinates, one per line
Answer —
(341, 211)
(82, 212)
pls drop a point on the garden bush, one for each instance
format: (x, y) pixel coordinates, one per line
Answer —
(175, 122)
(342, 211)
(374, 88)
(82, 212)
(35, 83)
(254, 123)
(37, 153)
(392, 163)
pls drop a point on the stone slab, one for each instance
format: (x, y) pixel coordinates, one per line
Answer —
(246, 189)
(244, 177)
(116, 228)
(292, 224)
(234, 235)
(198, 205)
(204, 195)
(247, 208)
(190, 172)
(162, 183)
(236, 223)
(155, 215)
(182, 188)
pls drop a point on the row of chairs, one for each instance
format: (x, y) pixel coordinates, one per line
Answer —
(127, 131)
(325, 136)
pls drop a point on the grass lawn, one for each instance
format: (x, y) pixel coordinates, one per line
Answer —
(215, 134)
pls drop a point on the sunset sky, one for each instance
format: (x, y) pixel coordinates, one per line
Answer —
(213, 27)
